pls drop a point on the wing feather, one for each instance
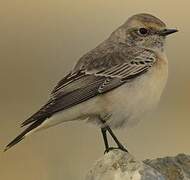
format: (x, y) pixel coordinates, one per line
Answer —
(82, 85)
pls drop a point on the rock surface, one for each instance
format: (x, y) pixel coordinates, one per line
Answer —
(173, 168)
(119, 165)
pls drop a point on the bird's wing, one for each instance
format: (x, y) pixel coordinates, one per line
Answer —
(84, 84)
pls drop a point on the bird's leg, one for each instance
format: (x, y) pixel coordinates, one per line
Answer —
(104, 133)
(120, 146)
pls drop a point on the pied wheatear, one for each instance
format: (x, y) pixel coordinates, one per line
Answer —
(114, 84)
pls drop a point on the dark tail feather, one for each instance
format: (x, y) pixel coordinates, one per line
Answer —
(40, 115)
(22, 135)
(32, 119)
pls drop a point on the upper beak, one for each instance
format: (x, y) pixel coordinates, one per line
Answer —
(166, 32)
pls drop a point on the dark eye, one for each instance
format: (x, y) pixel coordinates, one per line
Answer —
(143, 31)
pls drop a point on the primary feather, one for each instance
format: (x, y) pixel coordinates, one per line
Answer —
(84, 84)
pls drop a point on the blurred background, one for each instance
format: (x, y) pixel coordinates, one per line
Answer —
(39, 42)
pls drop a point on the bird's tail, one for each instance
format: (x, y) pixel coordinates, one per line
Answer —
(20, 137)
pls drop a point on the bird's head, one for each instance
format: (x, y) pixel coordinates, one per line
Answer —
(143, 30)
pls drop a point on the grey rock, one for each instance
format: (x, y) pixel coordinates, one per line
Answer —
(119, 165)
(173, 168)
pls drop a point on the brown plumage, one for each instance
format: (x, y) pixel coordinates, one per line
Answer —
(113, 68)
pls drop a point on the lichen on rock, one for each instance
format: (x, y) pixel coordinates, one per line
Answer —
(119, 165)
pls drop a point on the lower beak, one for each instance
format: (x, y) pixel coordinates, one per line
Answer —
(166, 32)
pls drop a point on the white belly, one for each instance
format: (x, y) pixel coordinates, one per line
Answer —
(136, 98)
(125, 105)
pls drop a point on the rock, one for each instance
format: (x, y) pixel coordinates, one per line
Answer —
(119, 165)
(173, 168)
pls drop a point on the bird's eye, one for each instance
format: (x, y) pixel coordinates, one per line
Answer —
(143, 31)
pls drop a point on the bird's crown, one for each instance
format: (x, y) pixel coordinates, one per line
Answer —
(146, 20)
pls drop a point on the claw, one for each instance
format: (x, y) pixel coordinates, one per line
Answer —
(110, 149)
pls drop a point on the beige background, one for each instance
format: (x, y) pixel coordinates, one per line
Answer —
(39, 42)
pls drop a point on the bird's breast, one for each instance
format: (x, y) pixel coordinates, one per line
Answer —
(130, 101)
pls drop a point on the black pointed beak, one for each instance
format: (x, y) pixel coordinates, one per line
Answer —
(166, 32)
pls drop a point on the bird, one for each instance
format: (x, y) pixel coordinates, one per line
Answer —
(114, 85)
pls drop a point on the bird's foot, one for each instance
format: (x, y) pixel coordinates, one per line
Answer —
(122, 148)
(110, 149)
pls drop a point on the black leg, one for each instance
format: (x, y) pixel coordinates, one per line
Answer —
(107, 148)
(120, 146)
(104, 130)
(104, 134)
